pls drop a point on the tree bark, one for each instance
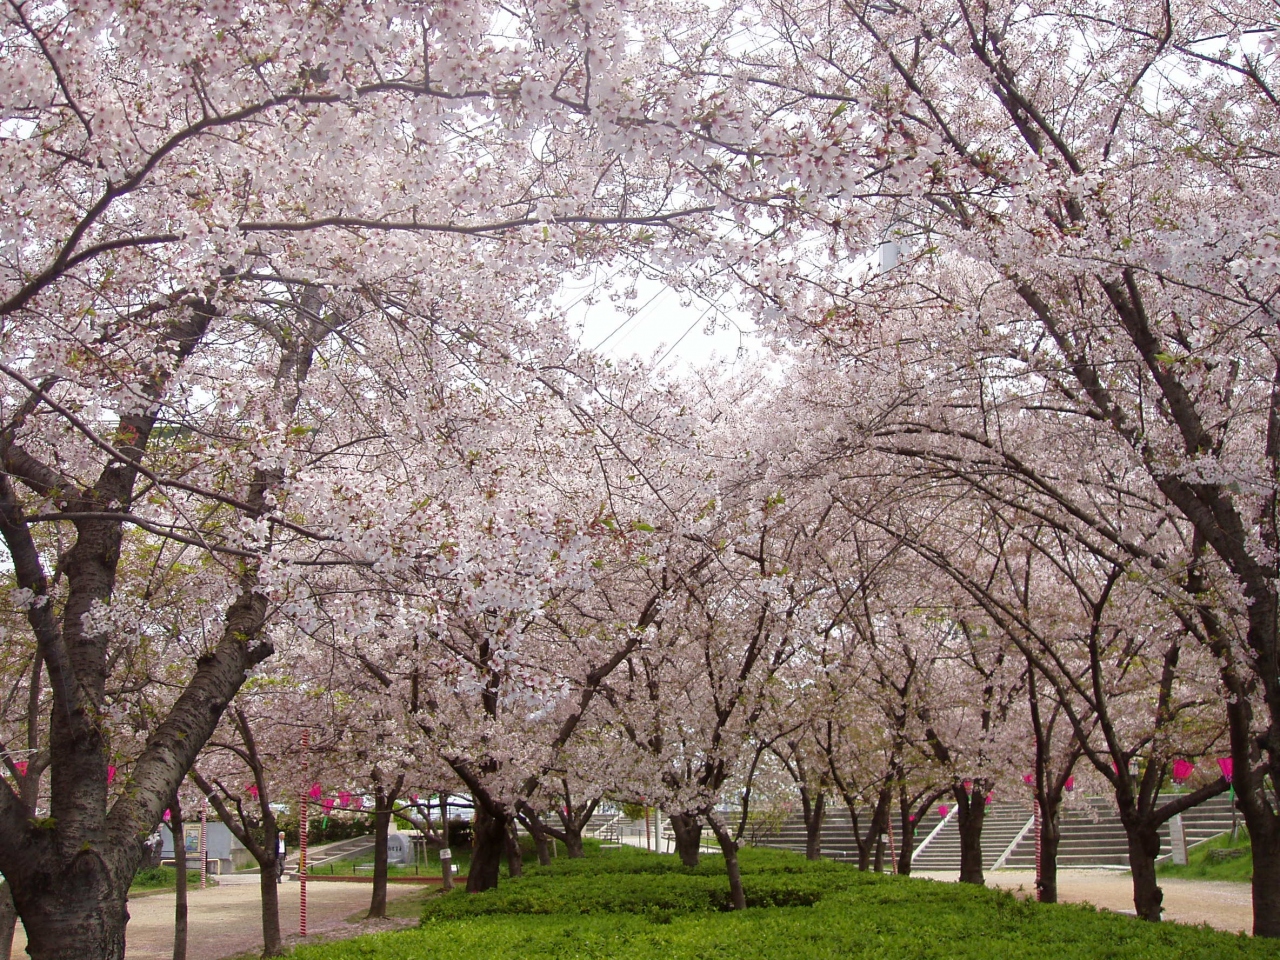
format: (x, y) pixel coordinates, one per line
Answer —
(814, 813)
(8, 921)
(1050, 837)
(268, 887)
(971, 811)
(907, 827)
(488, 842)
(515, 863)
(381, 831)
(178, 832)
(687, 829)
(1144, 848)
(729, 847)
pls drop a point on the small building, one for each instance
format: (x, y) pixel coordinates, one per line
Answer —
(226, 853)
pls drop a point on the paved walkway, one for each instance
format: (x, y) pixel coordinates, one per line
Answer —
(227, 920)
(1226, 906)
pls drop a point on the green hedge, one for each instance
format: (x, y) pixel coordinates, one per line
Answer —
(624, 905)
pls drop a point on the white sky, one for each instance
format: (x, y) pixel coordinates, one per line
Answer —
(655, 324)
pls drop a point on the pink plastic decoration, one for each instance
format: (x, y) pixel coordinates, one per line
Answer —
(253, 790)
(328, 805)
(1028, 778)
(357, 803)
(167, 814)
(21, 767)
(344, 799)
(1224, 764)
(968, 785)
(942, 811)
(111, 772)
(1070, 783)
(1182, 770)
(988, 799)
(315, 791)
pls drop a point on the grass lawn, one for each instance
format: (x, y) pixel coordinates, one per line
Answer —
(1202, 865)
(632, 905)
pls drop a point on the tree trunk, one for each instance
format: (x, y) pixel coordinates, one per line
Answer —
(687, 830)
(178, 831)
(971, 811)
(270, 891)
(1050, 836)
(515, 863)
(543, 844)
(907, 850)
(1266, 884)
(814, 814)
(381, 830)
(573, 842)
(1144, 847)
(85, 920)
(8, 921)
(488, 842)
(878, 865)
(729, 847)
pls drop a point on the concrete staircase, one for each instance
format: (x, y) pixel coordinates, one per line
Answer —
(1092, 836)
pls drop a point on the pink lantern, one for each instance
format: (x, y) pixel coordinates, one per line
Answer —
(968, 785)
(344, 799)
(253, 790)
(328, 805)
(1070, 783)
(1224, 764)
(942, 811)
(1028, 778)
(315, 791)
(988, 798)
(1182, 770)
(357, 803)
(167, 814)
(111, 772)
(912, 818)
(21, 767)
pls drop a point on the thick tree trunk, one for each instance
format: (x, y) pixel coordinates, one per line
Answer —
(86, 919)
(488, 842)
(1050, 837)
(8, 921)
(907, 850)
(814, 814)
(178, 831)
(381, 830)
(1144, 848)
(687, 830)
(573, 843)
(1266, 884)
(270, 891)
(970, 814)
(729, 847)
(543, 845)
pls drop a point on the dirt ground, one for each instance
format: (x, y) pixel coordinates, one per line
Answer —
(227, 920)
(1226, 906)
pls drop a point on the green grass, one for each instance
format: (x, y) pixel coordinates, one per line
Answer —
(631, 905)
(158, 878)
(1200, 866)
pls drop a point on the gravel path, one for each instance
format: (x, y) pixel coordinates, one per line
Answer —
(1226, 906)
(227, 920)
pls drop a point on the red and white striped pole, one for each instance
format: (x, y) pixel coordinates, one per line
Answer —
(302, 838)
(204, 845)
